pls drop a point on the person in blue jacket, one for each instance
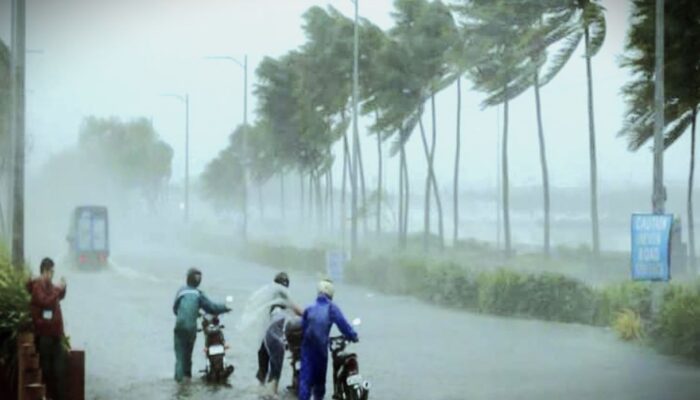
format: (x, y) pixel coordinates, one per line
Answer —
(188, 301)
(316, 326)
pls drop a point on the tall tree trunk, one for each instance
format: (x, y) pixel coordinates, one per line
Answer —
(504, 161)
(332, 199)
(691, 226)
(261, 205)
(592, 152)
(380, 195)
(311, 197)
(406, 197)
(543, 163)
(283, 206)
(343, 204)
(455, 183)
(361, 167)
(319, 202)
(401, 202)
(438, 202)
(428, 182)
(302, 202)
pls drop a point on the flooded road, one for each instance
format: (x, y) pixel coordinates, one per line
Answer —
(409, 350)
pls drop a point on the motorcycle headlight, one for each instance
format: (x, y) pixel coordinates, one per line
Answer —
(366, 385)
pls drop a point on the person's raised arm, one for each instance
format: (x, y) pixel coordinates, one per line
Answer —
(43, 298)
(211, 307)
(338, 318)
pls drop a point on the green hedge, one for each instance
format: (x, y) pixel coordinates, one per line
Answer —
(14, 309)
(634, 296)
(502, 292)
(548, 296)
(284, 257)
(676, 328)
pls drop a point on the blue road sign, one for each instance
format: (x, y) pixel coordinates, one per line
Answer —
(651, 247)
(335, 263)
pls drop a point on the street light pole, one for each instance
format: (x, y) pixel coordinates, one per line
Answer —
(187, 157)
(18, 120)
(244, 66)
(659, 196)
(355, 134)
(186, 101)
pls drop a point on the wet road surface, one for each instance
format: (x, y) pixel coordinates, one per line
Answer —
(409, 350)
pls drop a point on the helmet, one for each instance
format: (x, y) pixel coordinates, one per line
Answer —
(282, 278)
(194, 277)
(326, 287)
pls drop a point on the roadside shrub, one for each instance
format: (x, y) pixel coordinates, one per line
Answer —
(676, 328)
(14, 309)
(449, 284)
(628, 325)
(634, 296)
(285, 257)
(545, 296)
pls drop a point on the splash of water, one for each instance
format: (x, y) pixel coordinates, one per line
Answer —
(256, 313)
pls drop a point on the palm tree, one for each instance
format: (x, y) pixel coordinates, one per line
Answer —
(681, 80)
(426, 33)
(581, 20)
(504, 71)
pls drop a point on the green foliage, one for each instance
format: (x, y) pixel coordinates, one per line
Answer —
(14, 306)
(677, 327)
(628, 325)
(501, 292)
(131, 149)
(634, 296)
(681, 63)
(545, 296)
(285, 257)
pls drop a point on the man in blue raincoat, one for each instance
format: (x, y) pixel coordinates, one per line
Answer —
(316, 325)
(188, 301)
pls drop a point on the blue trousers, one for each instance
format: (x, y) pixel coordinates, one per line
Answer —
(312, 377)
(184, 343)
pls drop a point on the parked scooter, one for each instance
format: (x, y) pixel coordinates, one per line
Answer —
(215, 347)
(348, 384)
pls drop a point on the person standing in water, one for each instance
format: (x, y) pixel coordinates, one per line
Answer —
(272, 348)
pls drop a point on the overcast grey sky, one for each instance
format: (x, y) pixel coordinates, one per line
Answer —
(115, 57)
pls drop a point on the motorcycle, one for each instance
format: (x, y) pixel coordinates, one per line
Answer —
(215, 347)
(293, 334)
(348, 384)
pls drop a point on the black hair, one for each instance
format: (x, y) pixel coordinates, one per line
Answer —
(46, 264)
(194, 276)
(282, 278)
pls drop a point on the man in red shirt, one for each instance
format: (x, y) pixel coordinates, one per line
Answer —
(48, 326)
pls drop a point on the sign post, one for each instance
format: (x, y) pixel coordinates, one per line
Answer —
(335, 263)
(651, 252)
(651, 247)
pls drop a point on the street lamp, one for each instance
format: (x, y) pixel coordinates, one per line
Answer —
(186, 101)
(244, 66)
(355, 134)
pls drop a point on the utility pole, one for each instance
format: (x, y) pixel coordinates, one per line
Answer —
(186, 101)
(187, 157)
(245, 147)
(17, 63)
(355, 134)
(244, 150)
(659, 196)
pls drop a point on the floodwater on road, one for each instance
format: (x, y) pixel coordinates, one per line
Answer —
(122, 317)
